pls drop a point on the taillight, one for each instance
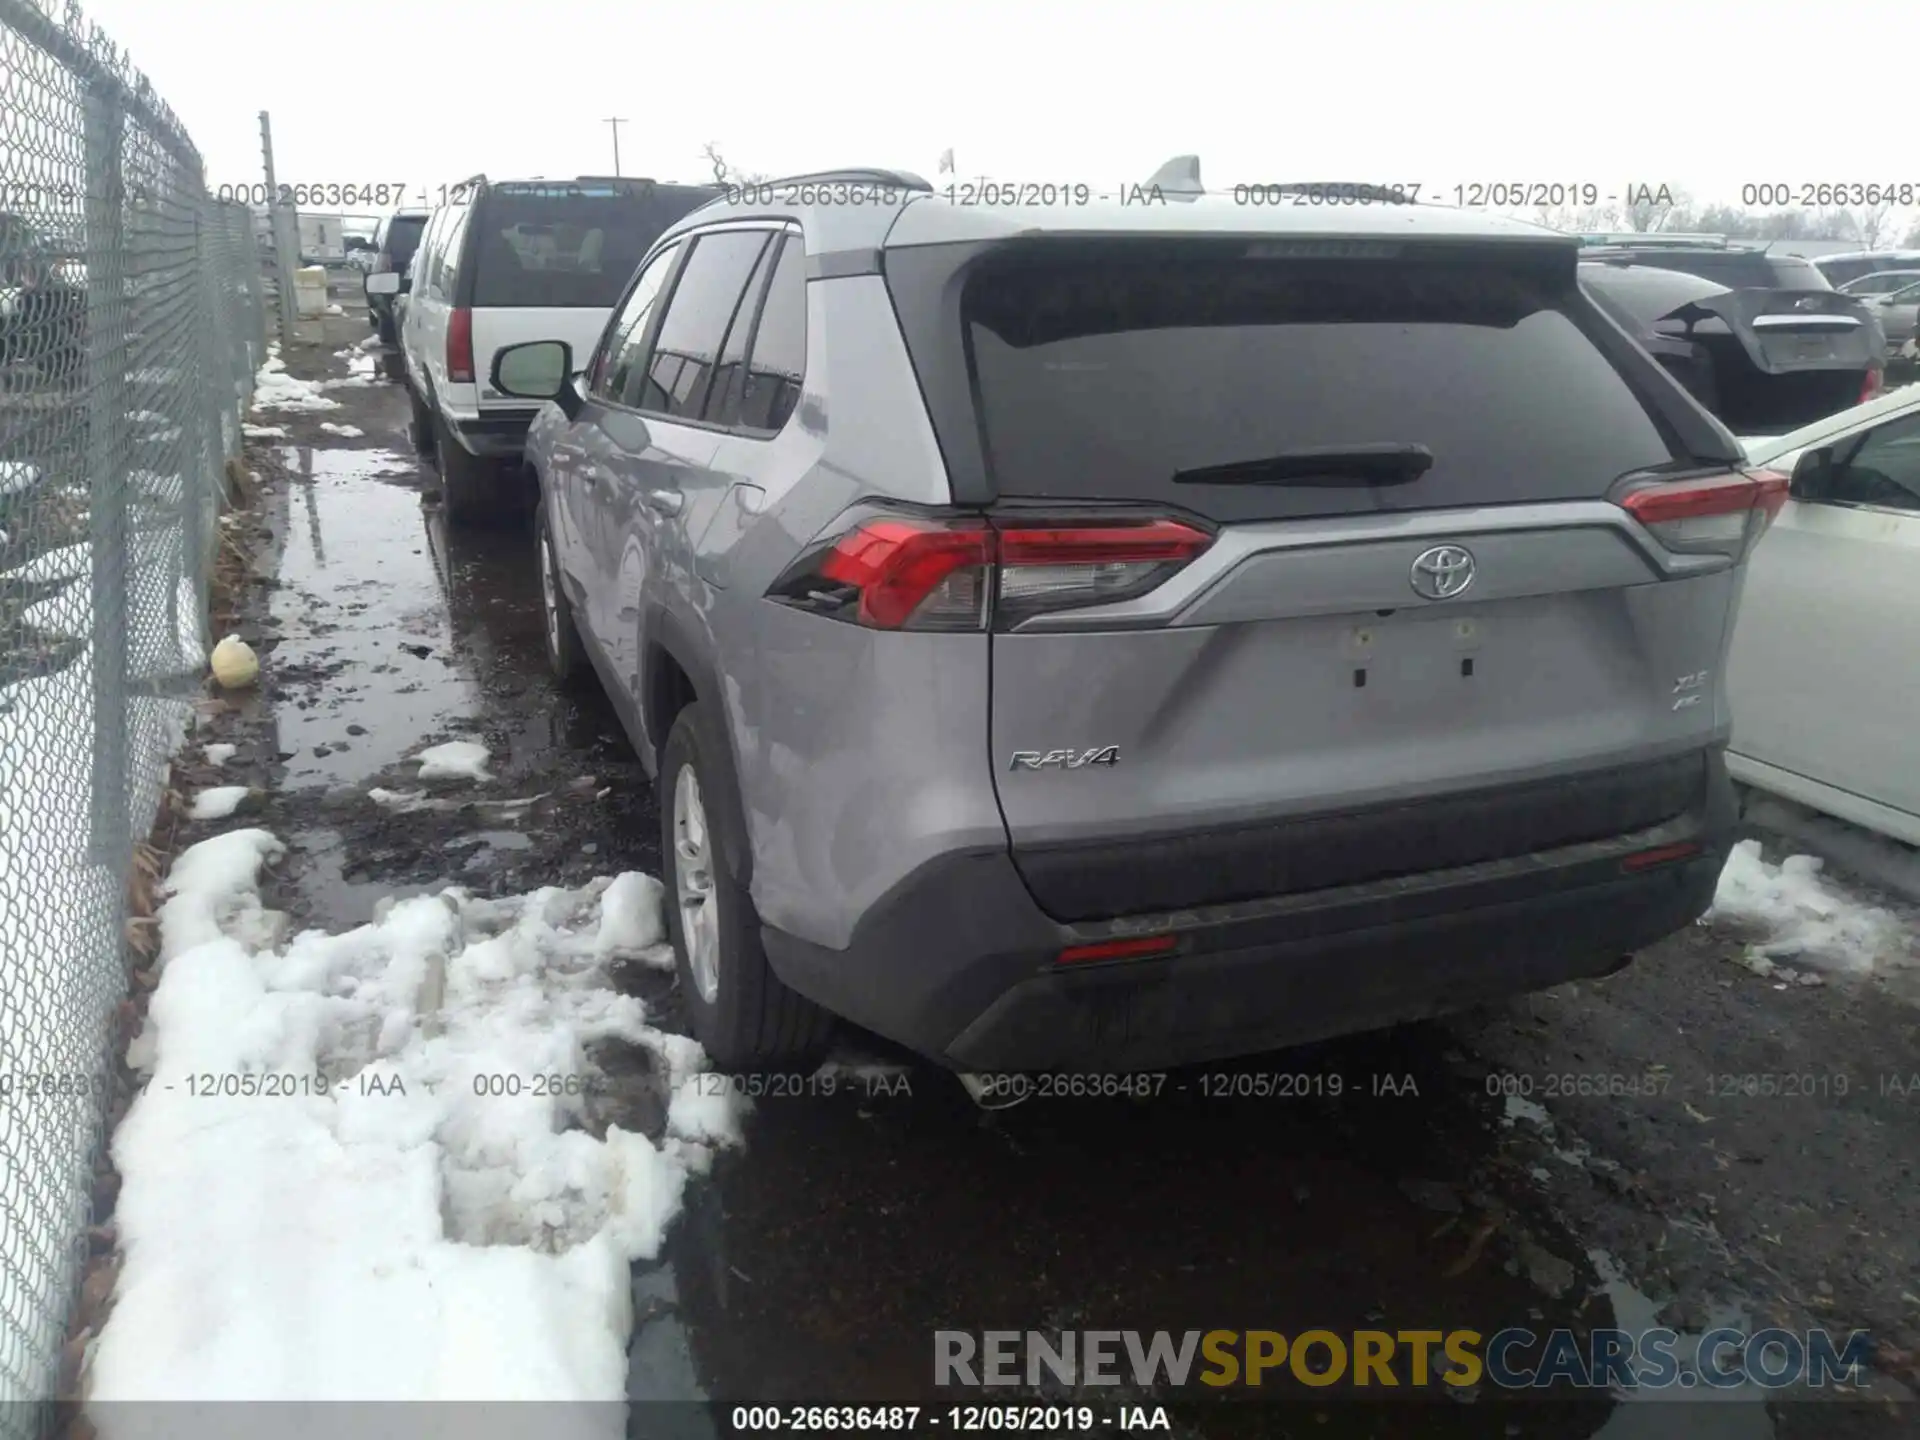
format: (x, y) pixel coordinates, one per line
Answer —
(896, 571)
(460, 346)
(1873, 385)
(1726, 514)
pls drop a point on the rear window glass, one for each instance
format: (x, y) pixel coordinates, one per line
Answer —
(403, 238)
(1104, 378)
(1793, 274)
(1739, 269)
(571, 247)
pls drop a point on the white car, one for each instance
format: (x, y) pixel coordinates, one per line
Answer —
(504, 261)
(1824, 676)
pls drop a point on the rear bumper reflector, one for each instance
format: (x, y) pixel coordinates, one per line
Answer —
(1118, 949)
(1660, 855)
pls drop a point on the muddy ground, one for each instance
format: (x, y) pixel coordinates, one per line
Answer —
(1455, 1181)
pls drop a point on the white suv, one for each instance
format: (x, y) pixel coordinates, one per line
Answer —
(505, 261)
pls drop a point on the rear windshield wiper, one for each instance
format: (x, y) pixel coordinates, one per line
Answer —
(1387, 463)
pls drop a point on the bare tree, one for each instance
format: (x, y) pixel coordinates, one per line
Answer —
(1869, 224)
(1913, 236)
(1732, 221)
(724, 173)
(1651, 209)
(1579, 219)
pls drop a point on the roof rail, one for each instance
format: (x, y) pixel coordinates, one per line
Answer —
(1657, 237)
(856, 175)
(644, 180)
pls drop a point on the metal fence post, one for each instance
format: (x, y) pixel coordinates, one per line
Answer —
(107, 454)
(284, 258)
(216, 397)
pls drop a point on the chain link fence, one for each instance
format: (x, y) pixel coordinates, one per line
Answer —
(130, 330)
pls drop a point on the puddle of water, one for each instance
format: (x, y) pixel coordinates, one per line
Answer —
(329, 898)
(307, 462)
(660, 1364)
(487, 847)
(359, 538)
(1737, 1413)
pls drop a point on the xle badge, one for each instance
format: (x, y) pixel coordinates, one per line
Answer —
(1065, 759)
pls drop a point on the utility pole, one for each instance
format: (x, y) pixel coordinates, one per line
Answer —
(616, 121)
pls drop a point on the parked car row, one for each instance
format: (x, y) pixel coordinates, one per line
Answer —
(1314, 706)
(1764, 342)
(504, 261)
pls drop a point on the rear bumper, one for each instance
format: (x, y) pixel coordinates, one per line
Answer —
(493, 434)
(958, 961)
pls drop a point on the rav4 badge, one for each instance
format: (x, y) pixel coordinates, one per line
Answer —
(1065, 759)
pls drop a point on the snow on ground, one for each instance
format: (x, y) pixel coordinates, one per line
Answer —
(349, 431)
(218, 802)
(428, 1221)
(455, 760)
(220, 754)
(263, 432)
(1874, 858)
(275, 389)
(1805, 915)
(16, 476)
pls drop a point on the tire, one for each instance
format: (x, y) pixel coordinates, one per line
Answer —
(466, 481)
(419, 423)
(564, 654)
(741, 1014)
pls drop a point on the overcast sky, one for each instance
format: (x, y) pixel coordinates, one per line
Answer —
(1698, 94)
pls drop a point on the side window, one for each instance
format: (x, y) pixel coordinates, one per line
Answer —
(447, 273)
(779, 361)
(695, 324)
(1882, 469)
(723, 391)
(427, 258)
(620, 347)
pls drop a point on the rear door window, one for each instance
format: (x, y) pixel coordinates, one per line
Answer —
(694, 327)
(569, 246)
(723, 391)
(779, 360)
(1113, 374)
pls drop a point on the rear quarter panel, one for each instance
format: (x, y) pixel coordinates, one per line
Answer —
(862, 755)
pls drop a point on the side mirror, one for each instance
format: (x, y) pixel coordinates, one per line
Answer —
(1811, 474)
(533, 370)
(387, 282)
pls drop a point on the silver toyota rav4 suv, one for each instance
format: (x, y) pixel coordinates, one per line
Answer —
(1128, 634)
